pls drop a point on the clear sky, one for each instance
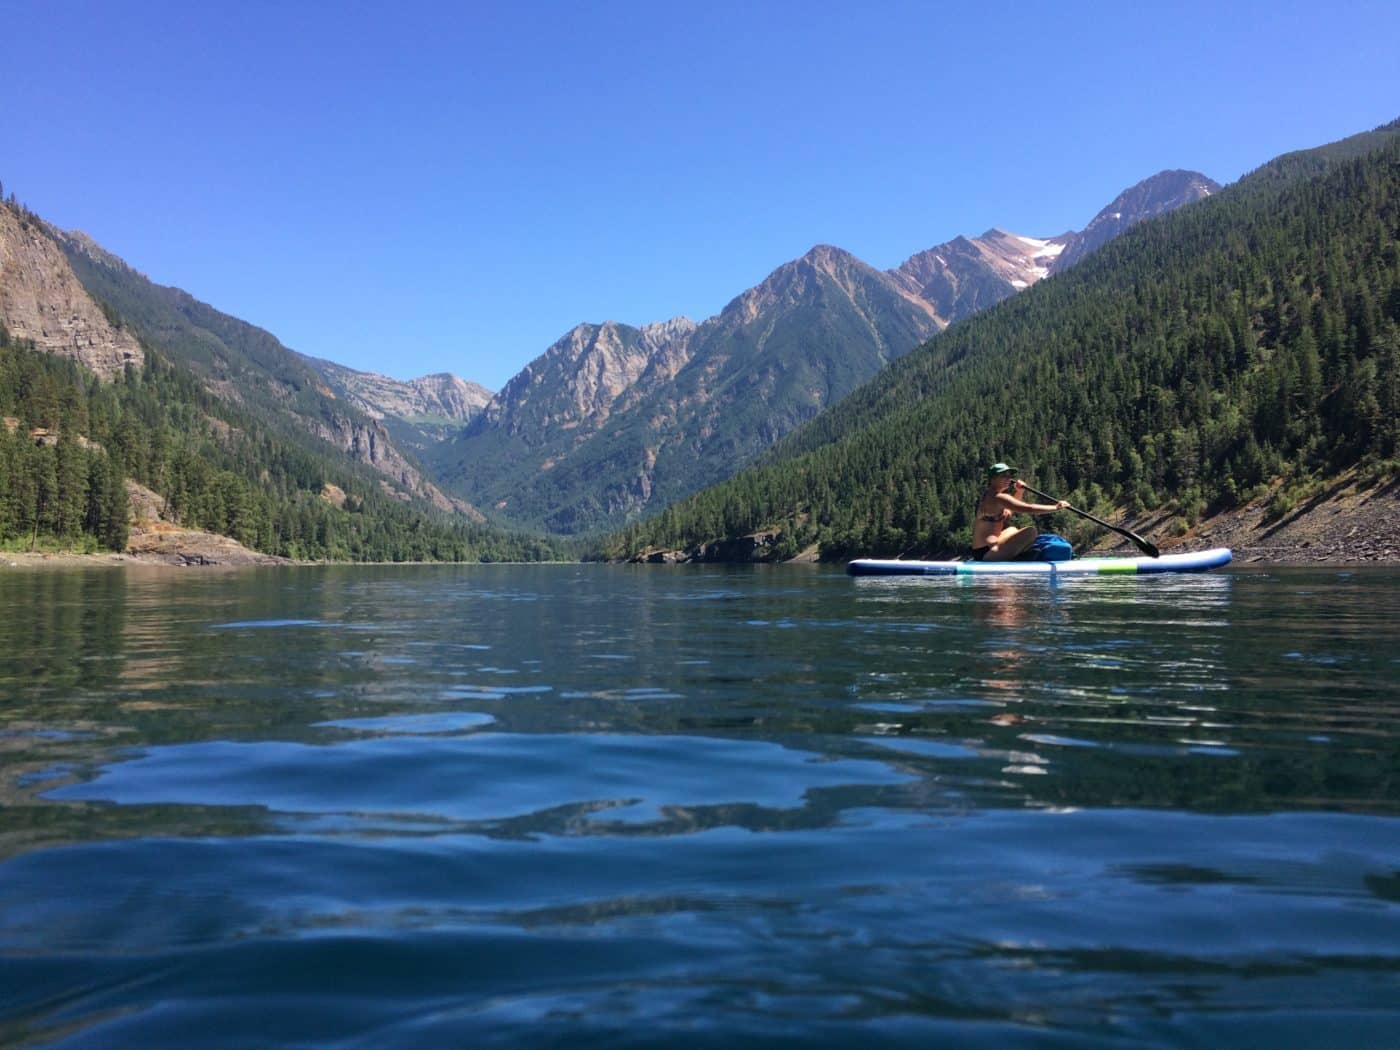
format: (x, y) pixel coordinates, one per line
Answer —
(410, 187)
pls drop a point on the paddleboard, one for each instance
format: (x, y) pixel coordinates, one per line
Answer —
(1195, 561)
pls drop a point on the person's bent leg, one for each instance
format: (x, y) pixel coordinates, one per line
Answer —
(1012, 544)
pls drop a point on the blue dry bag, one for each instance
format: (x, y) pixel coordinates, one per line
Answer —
(1047, 547)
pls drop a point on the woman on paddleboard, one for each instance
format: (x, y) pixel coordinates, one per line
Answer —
(993, 537)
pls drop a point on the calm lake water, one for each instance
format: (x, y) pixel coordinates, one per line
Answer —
(587, 805)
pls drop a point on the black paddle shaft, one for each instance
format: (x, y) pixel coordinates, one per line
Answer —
(1146, 546)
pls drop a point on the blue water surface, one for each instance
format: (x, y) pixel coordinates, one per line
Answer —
(643, 805)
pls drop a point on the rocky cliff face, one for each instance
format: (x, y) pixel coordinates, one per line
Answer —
(576, 383)
(369, 443)
(441, 398)
(444, 396)
(41, 299)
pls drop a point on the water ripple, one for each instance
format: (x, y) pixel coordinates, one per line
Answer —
(593, 804)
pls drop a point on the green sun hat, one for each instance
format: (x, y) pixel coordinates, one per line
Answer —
(996, 470)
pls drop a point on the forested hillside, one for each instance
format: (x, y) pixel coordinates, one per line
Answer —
(116, 379)
(53, 482)
(1247, 345)
(245, 366)
(68, 442)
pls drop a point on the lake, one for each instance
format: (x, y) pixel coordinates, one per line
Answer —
(632, 805)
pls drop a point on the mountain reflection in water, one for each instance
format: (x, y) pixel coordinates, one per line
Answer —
(635, 804)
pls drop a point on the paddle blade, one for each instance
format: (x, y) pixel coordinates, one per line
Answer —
(1147, 547)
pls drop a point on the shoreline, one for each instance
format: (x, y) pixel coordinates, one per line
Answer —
(1347, 525)
(1265, 557)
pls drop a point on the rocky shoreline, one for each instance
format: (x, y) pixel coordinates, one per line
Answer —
(1301, 555)
(1346, 524)
(155, 542)
(1349, 523)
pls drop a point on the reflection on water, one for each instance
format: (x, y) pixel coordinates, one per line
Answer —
(471, 804)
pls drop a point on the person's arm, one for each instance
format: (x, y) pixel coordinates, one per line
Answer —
(1031, 508)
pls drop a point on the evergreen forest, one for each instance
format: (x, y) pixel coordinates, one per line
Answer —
(1244, 347)
(69, 442)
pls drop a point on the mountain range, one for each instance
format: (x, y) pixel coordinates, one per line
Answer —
(608, 424)
(415, 412)
(614, 421)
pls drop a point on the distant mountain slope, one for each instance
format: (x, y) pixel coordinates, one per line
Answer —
(613, 421)
(417, 413)
(72, 447)
(971, 273)
(1245, 348)
(438, 398)
(579, 380)
(1319, 161)
(246, 366)
(1163, 193)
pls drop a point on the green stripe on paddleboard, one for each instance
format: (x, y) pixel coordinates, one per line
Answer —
(1109, 567)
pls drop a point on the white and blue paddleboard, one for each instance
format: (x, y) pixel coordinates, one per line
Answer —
(1195, 561)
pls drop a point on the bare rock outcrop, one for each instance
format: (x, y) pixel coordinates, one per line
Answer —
(42, 300)
(577, 382)
(157, 537)
(370, 444)
(438, 398)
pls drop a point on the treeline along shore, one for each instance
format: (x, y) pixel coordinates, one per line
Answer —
(72, 445)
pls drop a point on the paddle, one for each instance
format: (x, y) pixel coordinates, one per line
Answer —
(1147, 547)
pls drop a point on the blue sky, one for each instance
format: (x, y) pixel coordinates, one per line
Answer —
(414, 187)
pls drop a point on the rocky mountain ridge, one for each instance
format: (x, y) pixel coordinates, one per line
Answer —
(1162, 193)
(612, 420)
(438, 398)
(580, 378)
(968, 274)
